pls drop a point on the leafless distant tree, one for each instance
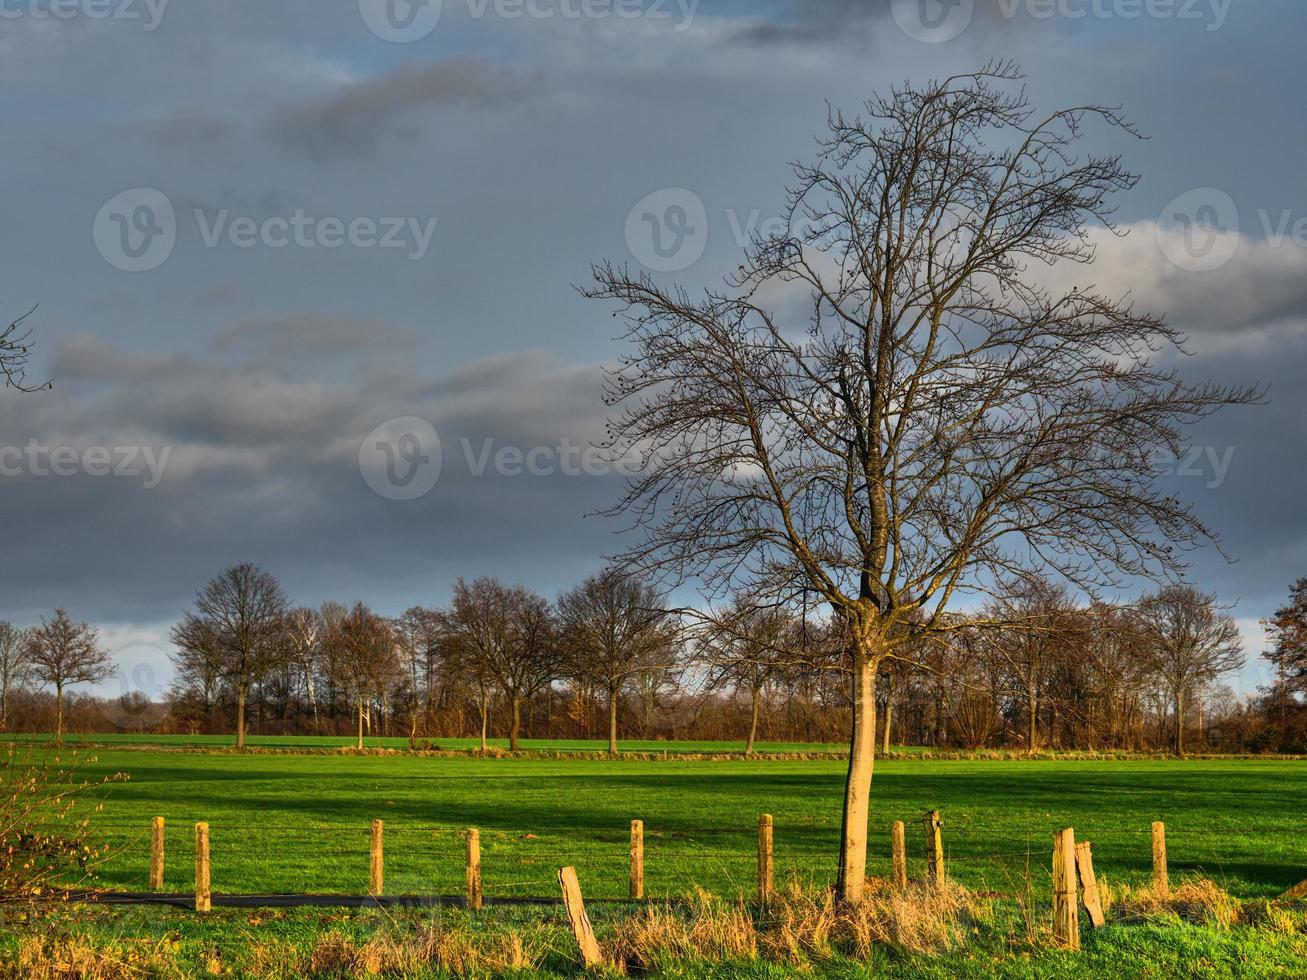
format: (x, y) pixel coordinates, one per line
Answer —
(61, 653)
(243, 611)
(941, 420)
(15, 349)
(422, 631)
(747, 647)
(505, 638)
(363, 652)
(304, 636)
(614, 627)
(1190, 643)
(1038, 623)
(14, 666)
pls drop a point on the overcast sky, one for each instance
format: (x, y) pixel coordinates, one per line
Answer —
(259, 231)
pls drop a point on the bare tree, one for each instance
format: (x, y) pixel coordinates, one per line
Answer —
(747, 647)
(15, 349)
(1036, 618)
(15, 667)
(304, 634)
(61, 653)
(941, 420)
(505, 638)
(614, 627)
(1190, 643)
(244, 609)
(364, 657)
(1287, 632)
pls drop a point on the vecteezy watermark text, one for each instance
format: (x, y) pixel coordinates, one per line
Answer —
(137, 230)
(131, 462)
(406, 21)
(148, 13)
(937, 21)
(402, 459)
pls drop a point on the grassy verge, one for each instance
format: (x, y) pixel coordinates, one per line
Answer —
(1203, 932)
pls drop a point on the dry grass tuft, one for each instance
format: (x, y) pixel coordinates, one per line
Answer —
(799, 927)
(42, 958)
(710, 929)
(1197, 900)
(459, 951)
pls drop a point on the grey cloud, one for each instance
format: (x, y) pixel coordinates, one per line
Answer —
(351, 121)
(307, 333)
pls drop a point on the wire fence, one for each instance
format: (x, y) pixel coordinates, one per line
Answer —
(277, 856)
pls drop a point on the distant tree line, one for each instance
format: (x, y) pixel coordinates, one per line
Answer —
(611, 659)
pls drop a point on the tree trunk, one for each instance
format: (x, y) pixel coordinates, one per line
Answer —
(857, 786)
(612, 723)
(1179, 723)
(753, 723)
(240, 716)
(58, 714)
(515, 726)
(1032, 729)
(889, 711)
(485, 716)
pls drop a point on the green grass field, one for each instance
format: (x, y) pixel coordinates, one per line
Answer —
(295, 823)
(299, 823)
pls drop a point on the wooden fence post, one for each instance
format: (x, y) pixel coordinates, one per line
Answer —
(899, 850)
(203, 897)
(934, 847)
(474, 869)
(1066, 911)
(591, 955)
(1161, 883)
(764, 858)
(1088, 883)
(637, 859)
(156, 854)
(376, 855)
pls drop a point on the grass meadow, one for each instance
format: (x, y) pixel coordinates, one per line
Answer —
(299, 823)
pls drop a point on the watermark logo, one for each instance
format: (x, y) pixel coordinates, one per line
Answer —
(401, 459)
(667, 231)
(36, 459)
(136, 230)
(142, 700)
(401, 21)
(148, 13)
(1199, 230)
(933, 21)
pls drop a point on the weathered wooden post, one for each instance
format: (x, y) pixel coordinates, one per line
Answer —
(1161, 883)
(1088, 883)
(474, 868)
(637, 859)
(764, 859)
(1066, 911)
(156, 854)
(934, 847)
(899, 852)
(591, 955)
(376, 855)
(203, 897)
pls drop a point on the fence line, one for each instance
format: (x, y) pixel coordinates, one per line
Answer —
(1073, 879)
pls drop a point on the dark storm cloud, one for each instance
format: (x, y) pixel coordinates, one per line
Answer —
(262, 466)
(354, 119)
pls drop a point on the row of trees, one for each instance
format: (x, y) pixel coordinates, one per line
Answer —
(1034, 671)
(493, 642)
